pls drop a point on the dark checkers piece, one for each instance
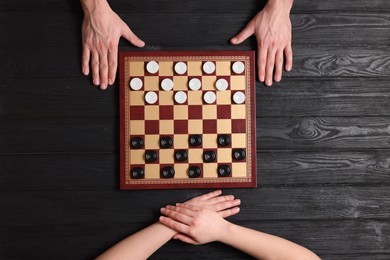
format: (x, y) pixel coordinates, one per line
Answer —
(224, 170)
(137, 142)
(209, 156)
(194, 171)
(195, 140)
(239, 154)
(166, 142)
(137, 173)
(181, 155)
(167, 172)
(224, 140)
(150, 156)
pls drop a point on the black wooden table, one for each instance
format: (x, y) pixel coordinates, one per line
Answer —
(323, 133)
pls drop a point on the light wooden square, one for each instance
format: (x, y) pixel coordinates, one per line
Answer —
(180, 112)
(238, 111)
(239, 170)
(136, 98)
(180, 83)
(152, 171)
(208, 82)
(165, 97)
(210, 170)
(195, 155)
(209, 112)
(136, 156)
(223, 68)
(194, 68)
(181, 171)
(225, 155)
(165, 68)
(237, 82)
(180, 141)
(195, 126)
(224, 97)
(239, 140)
(210, 141)
(136, 68)
(224, 126)
(151, 83)
(195, 97)
(152, 113)
(166, 156)
(152, 142)
(166, 127)
(137, 127)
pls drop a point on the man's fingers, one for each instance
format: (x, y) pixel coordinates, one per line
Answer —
(244, 34)
(220, 199)
(289, 57)
(85, 60)
(269, 67)
(261, 60)
(95, 68)
(112, 65)
(225, 205)
(183, 210)
(210, 195)
(175, 215)
(131, 37)
(103, 69)
(179, 227)
(278, 65)
(229, 212)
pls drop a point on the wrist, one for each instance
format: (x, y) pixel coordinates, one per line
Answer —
(90, 6)
(280, 4)
(228, 231)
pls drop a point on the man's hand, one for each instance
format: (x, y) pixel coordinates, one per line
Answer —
(101, 31)
(272, 28)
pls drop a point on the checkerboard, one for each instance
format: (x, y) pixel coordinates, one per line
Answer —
(223, 118)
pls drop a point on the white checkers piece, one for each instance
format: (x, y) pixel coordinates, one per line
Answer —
(208, 67)
(239, 97)
(221, 84)
(167, 84)
(152, 67)
(209, 97)
(238, 67)
(194, 84)
(180, 97)
(136, 84)
(180, 68)
(151, 97)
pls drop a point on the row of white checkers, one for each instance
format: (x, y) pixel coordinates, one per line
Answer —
(208, 67)
(180, 97)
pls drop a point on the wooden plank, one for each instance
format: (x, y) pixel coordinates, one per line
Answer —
(63, 135)
(232, 6)
(329, 238)
(63, 207)
(43, 97)
(275, 168)
(308, 29)
(309, 61)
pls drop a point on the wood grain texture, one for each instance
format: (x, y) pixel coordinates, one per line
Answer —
(231, 6)
(308, 29)
(64, 207)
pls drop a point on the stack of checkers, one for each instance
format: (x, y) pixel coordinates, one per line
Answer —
(188, 121)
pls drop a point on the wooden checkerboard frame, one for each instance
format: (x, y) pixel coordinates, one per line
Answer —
(166, 118)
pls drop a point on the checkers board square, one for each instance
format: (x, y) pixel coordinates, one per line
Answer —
(194, 117)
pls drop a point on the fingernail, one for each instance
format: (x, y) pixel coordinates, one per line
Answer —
(85, 72)
(110, 81)
(262, 78)
(96, 82)
(103, 86)
(268, 83)
(161, 218)
(178, 204)
(162, 209)
(234, 40)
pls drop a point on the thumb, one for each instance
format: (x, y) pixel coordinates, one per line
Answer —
(131, 37)
(244, 34)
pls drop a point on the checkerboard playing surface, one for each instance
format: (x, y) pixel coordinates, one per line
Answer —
(187, 120)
